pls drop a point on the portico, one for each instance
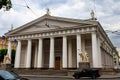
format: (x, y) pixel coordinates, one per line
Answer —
(61, 43)
(45, 52)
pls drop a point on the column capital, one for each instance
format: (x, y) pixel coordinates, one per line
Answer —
(9, 40)
(78, 34)
(64, 35)
(18, 40)
(52, 37)
(40, 38)
(29, 39)
(94, 32)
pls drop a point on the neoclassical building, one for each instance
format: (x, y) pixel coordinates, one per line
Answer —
(60, 43)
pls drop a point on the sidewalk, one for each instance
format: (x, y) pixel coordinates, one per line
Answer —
(69, 77)
(109, 76)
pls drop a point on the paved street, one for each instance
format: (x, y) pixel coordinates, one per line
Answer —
(46, 77)
(36, 78)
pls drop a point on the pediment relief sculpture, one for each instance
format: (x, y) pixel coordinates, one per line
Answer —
(50, 26)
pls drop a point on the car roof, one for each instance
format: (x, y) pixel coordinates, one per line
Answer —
(3, 71)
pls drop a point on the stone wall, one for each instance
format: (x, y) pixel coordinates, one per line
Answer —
(6, 67)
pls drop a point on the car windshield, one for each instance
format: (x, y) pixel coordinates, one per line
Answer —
(8, 75)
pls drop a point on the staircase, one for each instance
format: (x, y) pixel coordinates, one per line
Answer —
(41, 72)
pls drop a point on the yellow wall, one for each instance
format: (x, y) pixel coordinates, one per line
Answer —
(4, 44)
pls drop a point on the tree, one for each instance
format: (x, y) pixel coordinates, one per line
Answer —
(5, 4)
(3, 52)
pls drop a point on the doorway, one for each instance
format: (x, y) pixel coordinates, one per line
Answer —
(57, 63)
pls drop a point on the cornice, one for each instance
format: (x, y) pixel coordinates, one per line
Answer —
(53, 30)
(71, 31)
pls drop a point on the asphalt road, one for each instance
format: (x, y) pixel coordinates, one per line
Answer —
(35, 78)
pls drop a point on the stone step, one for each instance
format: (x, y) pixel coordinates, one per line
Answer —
(40, 72)
(107, 71)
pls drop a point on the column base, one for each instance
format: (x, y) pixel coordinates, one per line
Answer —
(65, 68)
(51, 68)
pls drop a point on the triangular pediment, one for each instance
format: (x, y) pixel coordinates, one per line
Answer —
(47, 23)
(39, 27)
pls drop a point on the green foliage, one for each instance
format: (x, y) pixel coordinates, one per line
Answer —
(0, 4)
(3, 52)
(13, 56)
(6, 4)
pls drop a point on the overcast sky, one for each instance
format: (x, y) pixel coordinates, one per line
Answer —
(106, 11)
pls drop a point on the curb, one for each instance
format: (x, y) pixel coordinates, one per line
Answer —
(47, 76)
(66, 77)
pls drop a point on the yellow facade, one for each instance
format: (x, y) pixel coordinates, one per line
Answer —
(4, 43)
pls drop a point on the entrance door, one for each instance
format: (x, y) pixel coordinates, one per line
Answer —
(57, 63)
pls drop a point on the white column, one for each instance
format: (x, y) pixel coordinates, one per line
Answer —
(17, 56)
(70, 53)
(64, 53)
(52, 58)
(9, 49)
(78, 49)
(99, 53)
(40, 54)
(29, 49)
(94, 51)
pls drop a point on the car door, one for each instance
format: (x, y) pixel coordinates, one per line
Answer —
(84, 73)
(87, 73)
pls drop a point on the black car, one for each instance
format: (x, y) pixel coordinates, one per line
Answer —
(91, 72)
(9, 75)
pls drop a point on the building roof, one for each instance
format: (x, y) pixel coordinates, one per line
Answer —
(46, 18)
